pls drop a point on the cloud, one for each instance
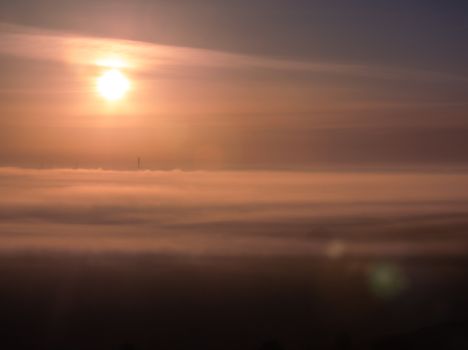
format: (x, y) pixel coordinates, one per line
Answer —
(249, 212)
(41, 44)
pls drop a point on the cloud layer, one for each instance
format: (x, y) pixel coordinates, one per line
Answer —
(49, 45)
(234, 212)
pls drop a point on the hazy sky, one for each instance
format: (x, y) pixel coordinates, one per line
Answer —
(235, 84)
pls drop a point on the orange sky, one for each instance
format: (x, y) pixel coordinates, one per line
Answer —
(198, 108)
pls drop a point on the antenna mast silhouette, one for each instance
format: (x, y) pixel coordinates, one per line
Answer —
(139, 163)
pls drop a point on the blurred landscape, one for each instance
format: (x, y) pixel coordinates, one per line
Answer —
(160, 301)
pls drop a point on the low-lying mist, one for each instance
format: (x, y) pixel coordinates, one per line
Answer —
(234, 213)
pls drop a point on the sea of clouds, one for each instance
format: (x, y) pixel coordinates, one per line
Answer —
(329, 214)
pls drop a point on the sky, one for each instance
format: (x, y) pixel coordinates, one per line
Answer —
(235, 85)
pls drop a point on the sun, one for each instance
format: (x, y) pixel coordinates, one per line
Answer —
(113, 85)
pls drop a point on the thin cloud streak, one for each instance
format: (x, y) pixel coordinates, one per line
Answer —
(48, 45)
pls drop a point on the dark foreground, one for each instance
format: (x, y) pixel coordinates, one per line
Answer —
(123, 301)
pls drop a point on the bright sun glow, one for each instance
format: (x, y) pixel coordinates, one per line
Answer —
(112, 62)
(113, 85)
